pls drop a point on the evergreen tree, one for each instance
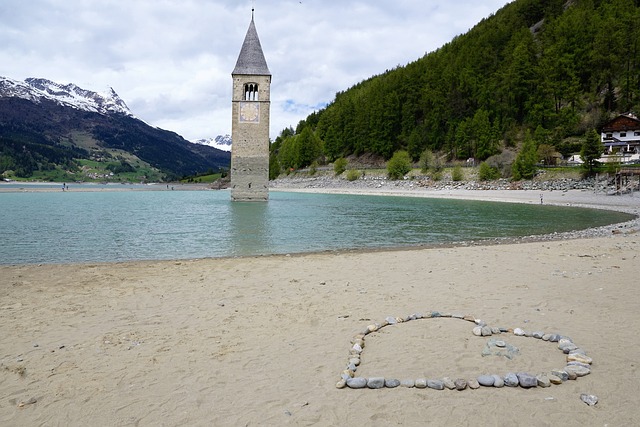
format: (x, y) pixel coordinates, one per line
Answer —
(592, 149)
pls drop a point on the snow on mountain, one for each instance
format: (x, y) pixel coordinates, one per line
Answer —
(35, 89)
(220, 142)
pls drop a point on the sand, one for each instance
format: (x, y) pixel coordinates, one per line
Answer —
(262, 341)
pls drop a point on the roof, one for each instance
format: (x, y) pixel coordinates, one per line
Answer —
(251, 59)
(623, 122)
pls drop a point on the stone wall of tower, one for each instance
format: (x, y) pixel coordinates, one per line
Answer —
(250, 148)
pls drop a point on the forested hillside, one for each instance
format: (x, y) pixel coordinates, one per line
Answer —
(556, 69)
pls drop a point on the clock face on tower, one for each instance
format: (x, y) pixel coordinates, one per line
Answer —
(250, 112)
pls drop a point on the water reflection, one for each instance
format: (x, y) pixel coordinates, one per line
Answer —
(249, 228)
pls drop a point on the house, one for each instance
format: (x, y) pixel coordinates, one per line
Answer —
(621, 138)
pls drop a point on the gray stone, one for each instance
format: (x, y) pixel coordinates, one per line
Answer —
(578, 351)
(498, 381)
(581, 358)
(584, 365)
(546, 337)
(511, 380)
(589, 399)
(538, 334)
(391, 320)
(473, 384)
(391, 383)
(527, 380)
(375, 382)
(543, 380)
(560, 374)
(421, 383)
(554, 338)
(448, 383)
(495, 331)
(357, 382)
(461, 384)
(501, 344)
(435, 384)
(477, 331)
(486, 380)
(519, 332)
(408, 383)
(580, 371)
(341, 384)
(555, 379)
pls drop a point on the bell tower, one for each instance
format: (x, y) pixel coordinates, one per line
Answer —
(250, 122)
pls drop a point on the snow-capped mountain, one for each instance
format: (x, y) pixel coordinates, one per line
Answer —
(220, 142)
(35, 89)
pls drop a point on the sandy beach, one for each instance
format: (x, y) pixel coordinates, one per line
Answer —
(263, 341)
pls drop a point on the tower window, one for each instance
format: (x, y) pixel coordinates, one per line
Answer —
(251, 92)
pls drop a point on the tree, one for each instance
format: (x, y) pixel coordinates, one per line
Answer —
(399, 165)
(525, 165)
(591, 150)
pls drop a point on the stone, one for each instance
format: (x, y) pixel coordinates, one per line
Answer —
(357, 348)
(546, 337)
(477, 331)
(511, 380)
(543, 380)
(538, 334)
(391, 383)
(486, 331)
(580, 371)
(519, 332)
(448, 383)
(560, 374)
(354, 361)
(576, 357)
(584, 365)
(473, 384)
(421, 383)
(498, 381)
(352, 367)
(357, 382)
(391, 320)
(589, 399)
(435, 314)
(409, 383)
(460, 384)
(495, 331)
(500, 343)
(578, 351)
(572, 375)
(555, 379)
(486, 380)
(435, 384)
(372, 328)
(469, 318)
(480, 322)
(375, 382)
(527, 380)
(341, 384)
(554, 338)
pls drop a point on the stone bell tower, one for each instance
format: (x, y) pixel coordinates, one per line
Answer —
(250, 122)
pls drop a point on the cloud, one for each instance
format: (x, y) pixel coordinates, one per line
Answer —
(171, 60)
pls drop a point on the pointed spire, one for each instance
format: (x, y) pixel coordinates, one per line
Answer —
(251, 60)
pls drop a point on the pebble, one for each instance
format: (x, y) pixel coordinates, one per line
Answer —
(477, 331)
(546, 337)
(408, 383)
(391, 320)
(589, 399)
(435, 384)
(576, 357)
(538, 334)
(519, 332)
(448, 383)
(543, 380)
(560, 374)
(584, 365)
(527, 380)
(375, 382)
(498, 381)
(486, 331)
(341, 384)
(578, 351)
(554, 338)
(580, 371)
(391, 383)
(357, 382)
(500, 344)
(511, 380)
(555, 379)
(460, 384)
(473, 384)
(495, 331)
(421, 383)
(486, 380)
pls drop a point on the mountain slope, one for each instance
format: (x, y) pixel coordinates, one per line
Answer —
(44, 124)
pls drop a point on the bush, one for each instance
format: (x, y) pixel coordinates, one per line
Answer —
(313, 169)
(488, 173)
(457, 174)
(340, 165)
(353, 174)
(399, 165)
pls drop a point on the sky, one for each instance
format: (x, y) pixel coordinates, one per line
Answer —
(171, 60)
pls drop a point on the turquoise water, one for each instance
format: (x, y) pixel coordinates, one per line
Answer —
(66, 227)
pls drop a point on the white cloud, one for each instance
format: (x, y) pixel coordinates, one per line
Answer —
(171, 60)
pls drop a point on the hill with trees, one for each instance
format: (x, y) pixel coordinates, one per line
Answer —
(538, 75)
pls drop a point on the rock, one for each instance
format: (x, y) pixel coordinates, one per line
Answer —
(578, 351)
(356, 348)
(354, 361)
(357, 382)
(554, 338)
(527, 380)
(421, 383)
(480, 322)
(473, 384)
(391, 383)
(555, 379)
(375, 382)
(546, 337)
(543, 380)
(486, 331)
(477, 331)
(579, 371)
(469, 318)
(341, 384)
(511, 380)
(448, 383)
(572, 375)
(500, 343)
(460, 384)
(584, 365)
(352, 367)
(589, 399)
(435, 384)
(538, 334)
(391, 320)
(498, 381)
(486, 380)
(408, 383)
(495, 331)
(560, 374)
(372, 328)
(581, 358)
(519, 332)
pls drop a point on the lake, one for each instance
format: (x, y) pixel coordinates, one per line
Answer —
(111, 226)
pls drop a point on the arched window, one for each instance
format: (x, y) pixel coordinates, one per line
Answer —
(251, 92)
